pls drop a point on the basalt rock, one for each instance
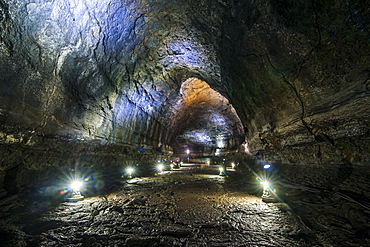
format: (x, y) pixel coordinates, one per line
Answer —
(106, 81)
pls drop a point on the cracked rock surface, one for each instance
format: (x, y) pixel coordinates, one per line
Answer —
(194, 207)
(179, 208)
(101, 84)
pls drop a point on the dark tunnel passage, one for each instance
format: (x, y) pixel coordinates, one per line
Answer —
(205, 121)
(184, 123)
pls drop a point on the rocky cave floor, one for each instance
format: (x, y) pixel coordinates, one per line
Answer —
(188, 207)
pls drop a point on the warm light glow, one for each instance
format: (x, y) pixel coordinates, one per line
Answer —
(130, 170)
(210, 114)
(160, 167)
(265, 184)
(187, 151)
(76, 185)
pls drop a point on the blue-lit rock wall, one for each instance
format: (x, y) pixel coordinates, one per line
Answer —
(101, 74)
(95, 74)
(96, 69)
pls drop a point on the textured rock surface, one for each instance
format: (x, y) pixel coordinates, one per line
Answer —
(98, 73)
(193, 209)
(99, 85)
(190, 208)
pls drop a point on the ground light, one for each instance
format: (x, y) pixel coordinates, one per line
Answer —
(267, 195)
(75, 186)
(222, 171)
(266, 185)
(129, 172)
(160, 168)
(232, 165)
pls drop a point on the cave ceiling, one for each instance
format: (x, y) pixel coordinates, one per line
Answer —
(277, 74)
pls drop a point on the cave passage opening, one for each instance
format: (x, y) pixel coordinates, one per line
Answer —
(205, 124)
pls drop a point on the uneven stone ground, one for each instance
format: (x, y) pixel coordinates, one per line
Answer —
(192, 207)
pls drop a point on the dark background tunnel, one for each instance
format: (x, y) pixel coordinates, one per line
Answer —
(97, 85)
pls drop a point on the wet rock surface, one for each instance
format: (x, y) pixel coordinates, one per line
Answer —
(196, 207)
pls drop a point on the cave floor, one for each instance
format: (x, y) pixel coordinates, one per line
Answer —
(191, 207)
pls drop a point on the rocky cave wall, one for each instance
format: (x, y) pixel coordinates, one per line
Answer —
(303, 67)
(87, 83)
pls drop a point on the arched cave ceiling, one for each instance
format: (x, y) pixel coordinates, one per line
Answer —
(204, 119)
(294, 75)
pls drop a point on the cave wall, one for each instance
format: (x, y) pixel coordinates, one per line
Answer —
(303, 67)
(96, 70)
(106, 75)
(101, 76)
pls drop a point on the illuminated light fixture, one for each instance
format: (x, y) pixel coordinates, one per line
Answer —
(267, 166)
(222, 171)
(160, 168)
(129, 172)
(233, 165)
(267, 195)
(265, 184)
(188, 152)
(76, 187)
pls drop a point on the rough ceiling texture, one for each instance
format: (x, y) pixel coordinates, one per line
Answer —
(91, 82)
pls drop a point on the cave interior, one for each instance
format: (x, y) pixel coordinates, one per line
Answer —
(88, 88)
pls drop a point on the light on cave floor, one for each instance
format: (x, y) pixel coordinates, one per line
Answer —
(265, 184)
(222, 171)
(129, 172)
(160, 168)
(268, 191)
(76, 187)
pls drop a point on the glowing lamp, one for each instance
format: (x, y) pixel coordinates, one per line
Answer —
(160, 167)
(267, 195)
(265, 184)
(76, 186)
(222, 171)
(267, 166)
(129, 171)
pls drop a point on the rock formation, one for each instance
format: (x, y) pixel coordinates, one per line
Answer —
(99, 84)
